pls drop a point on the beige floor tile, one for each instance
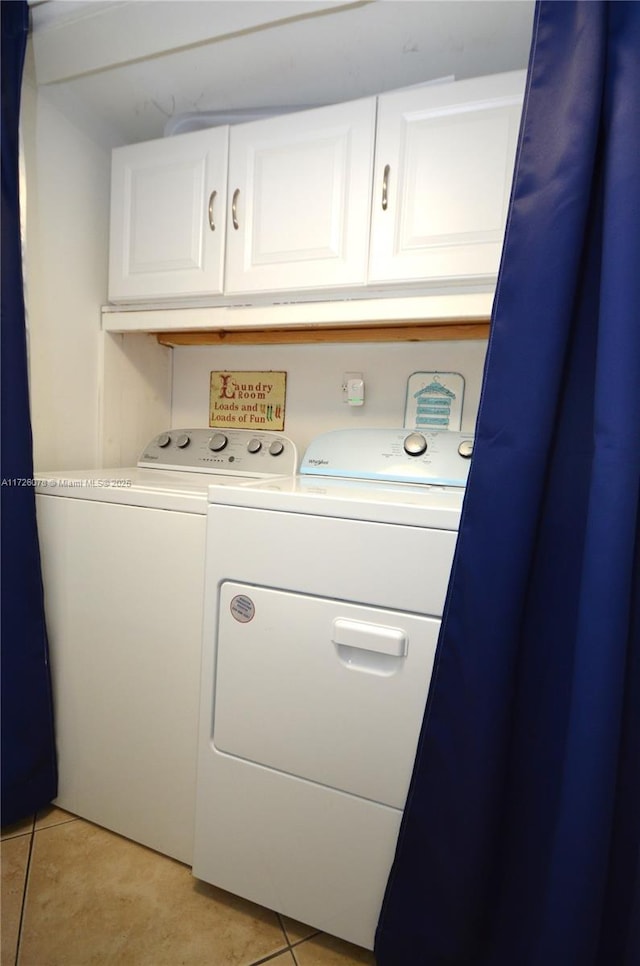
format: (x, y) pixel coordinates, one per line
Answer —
(94, 898)
(52, 815)
(296, 931)
(14, 855)
(285, 959)
(328, 951)
(23, 827)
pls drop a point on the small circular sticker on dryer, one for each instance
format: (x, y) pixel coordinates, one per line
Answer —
(242, 608)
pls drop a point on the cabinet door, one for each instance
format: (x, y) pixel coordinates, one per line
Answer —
(168, 213)
(300, 199)
(444, 164)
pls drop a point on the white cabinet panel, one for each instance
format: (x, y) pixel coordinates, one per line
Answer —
(297, 204)
(168, 212)
(444, 165)
(300, 194)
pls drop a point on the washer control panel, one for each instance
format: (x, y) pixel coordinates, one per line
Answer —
(240, 452)
(395, 455)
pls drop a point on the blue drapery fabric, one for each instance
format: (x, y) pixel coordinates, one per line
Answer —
(29, 774)
(520, 842)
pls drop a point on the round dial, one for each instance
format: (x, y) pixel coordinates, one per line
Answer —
(465, 449)
(276, 447)
(254, 446)
(183, 440)
(415, 444)
(163, 440)
(218, 442)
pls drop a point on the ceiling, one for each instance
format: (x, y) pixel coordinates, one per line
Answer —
(131, 70)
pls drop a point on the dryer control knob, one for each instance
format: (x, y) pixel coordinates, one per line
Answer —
(277, 447)
(218, 442)
(254, 446)
(183, 441)
(415, 444)
(163, 440)
(465, 449)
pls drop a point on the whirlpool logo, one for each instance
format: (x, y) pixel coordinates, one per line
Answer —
(318, 462)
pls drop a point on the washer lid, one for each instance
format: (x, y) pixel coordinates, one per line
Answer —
(176, 469)
(135, 486)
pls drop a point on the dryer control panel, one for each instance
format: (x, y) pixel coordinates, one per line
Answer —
(239, 452)
(394, 455)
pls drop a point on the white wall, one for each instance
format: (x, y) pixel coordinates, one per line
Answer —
(67, 205)
(135, 403)
(314, 378)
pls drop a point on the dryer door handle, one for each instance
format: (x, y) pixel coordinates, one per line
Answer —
(378, 638)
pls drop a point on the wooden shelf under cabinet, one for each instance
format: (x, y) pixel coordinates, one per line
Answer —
(399, 332)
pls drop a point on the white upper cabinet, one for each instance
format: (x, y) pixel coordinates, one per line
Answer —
(381, 196)
(168, 214)
(444, 164)
(300, 200)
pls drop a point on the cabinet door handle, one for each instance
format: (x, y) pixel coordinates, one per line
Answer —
(234, 208)
(212, 198)
(385, 187)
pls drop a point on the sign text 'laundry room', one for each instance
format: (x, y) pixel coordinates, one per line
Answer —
(247, 400)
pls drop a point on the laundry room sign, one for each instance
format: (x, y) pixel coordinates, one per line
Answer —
(247, 400)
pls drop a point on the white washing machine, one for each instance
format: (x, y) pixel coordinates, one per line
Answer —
(123, 569)
(323, 601)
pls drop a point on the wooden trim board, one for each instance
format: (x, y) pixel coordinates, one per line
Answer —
(401, 332)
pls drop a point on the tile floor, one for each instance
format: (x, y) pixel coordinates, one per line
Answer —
(74, 894)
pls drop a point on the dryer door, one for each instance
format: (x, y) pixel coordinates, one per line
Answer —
(320, 689)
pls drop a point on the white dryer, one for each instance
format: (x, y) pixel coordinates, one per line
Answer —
(323, 601)
(123, 569)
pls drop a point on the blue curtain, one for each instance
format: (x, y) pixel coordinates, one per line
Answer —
(520, 843)
(28, 750)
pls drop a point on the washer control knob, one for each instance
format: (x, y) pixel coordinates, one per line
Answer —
(254, 445)
(218, 442)
(163, 440)
(465, 449)
(183, 441)
(415, 444)
(277, 447)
